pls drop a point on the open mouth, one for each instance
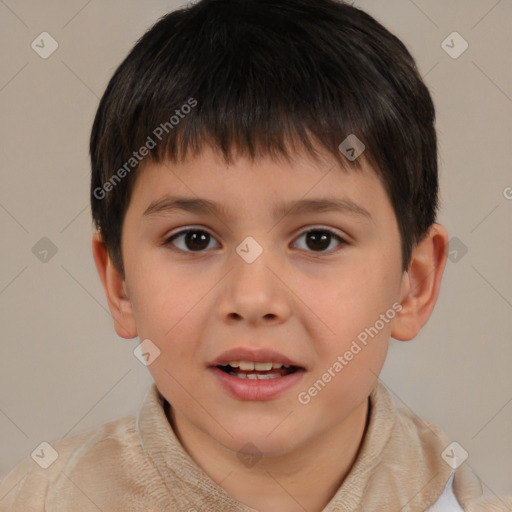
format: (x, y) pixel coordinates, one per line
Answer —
(256, 380)
(257, 371)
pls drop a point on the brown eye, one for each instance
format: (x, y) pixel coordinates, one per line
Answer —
(318, 240)
(191, 240)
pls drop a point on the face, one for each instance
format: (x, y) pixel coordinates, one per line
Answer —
(251, 278)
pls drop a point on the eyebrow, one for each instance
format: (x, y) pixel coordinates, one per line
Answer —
(172, 204)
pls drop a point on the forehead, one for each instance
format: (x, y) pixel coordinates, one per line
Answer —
(207, 182)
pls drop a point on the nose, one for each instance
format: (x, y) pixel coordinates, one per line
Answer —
(255, 292)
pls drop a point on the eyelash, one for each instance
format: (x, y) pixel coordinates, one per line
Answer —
(169, 240)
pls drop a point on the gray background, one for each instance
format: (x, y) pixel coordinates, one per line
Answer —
(62, 367)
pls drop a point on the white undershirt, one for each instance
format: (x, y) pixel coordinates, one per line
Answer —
(447, 502)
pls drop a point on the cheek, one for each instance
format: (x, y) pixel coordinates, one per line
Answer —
(169, 307)
(357, 306)
(350, 360)
(160, 296)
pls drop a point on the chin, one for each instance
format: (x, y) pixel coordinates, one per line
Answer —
(253, 436)
(246, 446)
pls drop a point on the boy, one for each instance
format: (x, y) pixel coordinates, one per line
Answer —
(235, 136)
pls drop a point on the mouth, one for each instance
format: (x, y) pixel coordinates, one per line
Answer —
(257, 370)
(256, 374)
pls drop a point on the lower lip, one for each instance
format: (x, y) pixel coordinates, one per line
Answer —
(260, 390)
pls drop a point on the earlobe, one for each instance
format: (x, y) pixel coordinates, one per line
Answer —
(421, 283)
(114, 286)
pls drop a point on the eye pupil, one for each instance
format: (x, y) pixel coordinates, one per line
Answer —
(320, 238)
(195, 240)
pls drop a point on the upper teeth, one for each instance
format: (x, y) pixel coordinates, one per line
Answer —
(249, 365)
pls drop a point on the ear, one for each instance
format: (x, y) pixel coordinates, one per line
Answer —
(115, 290)
(421, 283)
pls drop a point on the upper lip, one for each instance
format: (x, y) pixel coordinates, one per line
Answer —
(261, 355)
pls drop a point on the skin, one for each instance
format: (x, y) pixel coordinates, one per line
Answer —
(305, 302)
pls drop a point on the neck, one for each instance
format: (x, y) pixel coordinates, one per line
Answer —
(304, 479)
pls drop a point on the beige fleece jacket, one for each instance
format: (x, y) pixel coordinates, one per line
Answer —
(137, 464)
